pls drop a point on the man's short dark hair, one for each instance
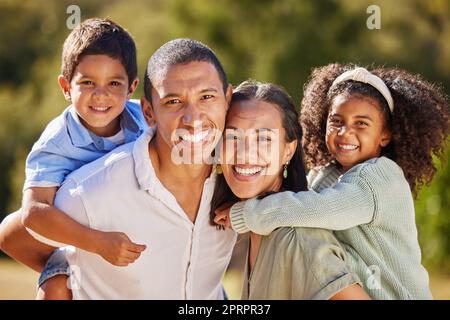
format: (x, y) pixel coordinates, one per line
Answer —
(180, 51)
(99, 36)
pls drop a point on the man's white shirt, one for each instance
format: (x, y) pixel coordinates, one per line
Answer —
(121, 192)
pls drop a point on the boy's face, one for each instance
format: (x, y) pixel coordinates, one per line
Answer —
(189, 107)
(98, 91)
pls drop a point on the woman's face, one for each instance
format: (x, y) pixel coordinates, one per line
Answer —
(254, 149)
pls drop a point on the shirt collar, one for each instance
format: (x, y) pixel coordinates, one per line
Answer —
(82, 137)
(130, 125)
(143, 167)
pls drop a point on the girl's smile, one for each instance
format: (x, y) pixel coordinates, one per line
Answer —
(355, 130)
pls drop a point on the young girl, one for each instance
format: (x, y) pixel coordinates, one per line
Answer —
(370, 138)
(261, 156)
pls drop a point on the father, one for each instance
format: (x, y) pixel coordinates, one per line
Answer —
(140, 190)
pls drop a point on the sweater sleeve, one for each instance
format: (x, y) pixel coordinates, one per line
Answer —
(347, 204)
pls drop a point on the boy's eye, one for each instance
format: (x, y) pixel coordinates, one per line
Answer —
(362, 123)
(87, 82)
(115, 83)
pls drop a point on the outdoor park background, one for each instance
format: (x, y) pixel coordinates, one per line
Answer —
(277, 41)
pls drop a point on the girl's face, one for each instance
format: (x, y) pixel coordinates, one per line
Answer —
(254, 149)
(355, 130)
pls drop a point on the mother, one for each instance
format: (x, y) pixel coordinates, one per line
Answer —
(261, 155)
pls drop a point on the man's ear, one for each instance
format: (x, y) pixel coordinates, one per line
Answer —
(386, 137)
(132, 88)
(147, 110)
(64, 84)
(229, 95)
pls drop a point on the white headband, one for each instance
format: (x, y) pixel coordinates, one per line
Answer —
(362, 75)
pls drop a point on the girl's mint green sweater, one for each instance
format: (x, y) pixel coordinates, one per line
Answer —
(371, 209)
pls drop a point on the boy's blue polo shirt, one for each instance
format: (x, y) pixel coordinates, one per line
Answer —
(66, 145)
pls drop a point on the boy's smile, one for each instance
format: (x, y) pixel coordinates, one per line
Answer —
(355, 130)
(98, 91)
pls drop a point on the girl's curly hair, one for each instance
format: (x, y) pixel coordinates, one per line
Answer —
(419, 123)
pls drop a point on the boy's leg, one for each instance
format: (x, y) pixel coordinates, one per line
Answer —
(55, 288)
(53, 282)
(20, 245)
(16, 242)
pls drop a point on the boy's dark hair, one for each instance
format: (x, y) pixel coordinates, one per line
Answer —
(179, 51)
(419, 123)
(99, 36)
(276, 95)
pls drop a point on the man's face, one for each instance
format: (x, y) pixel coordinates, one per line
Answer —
(189, 107)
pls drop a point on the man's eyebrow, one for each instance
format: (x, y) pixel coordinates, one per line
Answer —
(176, 95)
(209, 90)
(119, 77)
(170, 95)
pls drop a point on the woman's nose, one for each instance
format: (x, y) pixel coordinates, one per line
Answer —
(247, 151)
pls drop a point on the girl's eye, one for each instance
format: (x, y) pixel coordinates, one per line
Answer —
(335, 121)
(87, 82)
(361, 123)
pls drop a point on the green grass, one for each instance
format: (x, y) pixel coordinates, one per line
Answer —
(17, 282)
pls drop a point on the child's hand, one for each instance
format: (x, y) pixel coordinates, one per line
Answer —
(118, 249)
(223, 215)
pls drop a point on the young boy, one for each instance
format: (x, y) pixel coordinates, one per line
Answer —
(99, 75)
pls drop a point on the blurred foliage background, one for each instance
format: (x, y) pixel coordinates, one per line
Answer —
(277, 41)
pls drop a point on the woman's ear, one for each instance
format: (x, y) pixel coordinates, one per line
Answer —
(64, 84)
(289, 150)
(132, 88)
(147, 110)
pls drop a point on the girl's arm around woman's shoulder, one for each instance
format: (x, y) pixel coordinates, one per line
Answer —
(351, 202)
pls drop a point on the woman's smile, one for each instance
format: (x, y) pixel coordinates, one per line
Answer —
(254, 148)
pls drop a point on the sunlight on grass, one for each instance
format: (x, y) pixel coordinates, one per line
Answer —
(17, 282)
(232, 283)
